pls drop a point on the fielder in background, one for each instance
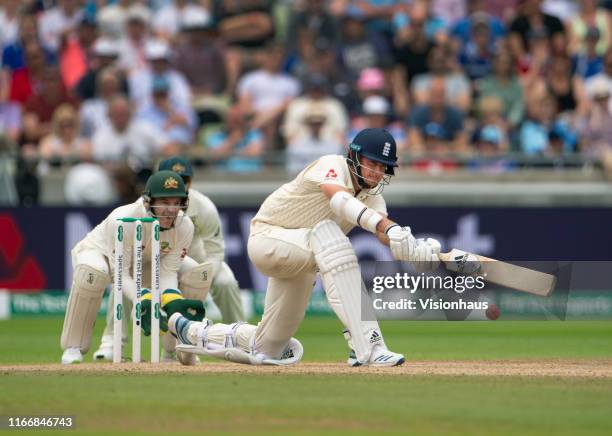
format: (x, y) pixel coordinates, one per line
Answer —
(300, 230)
(165, 198)
(206, 254)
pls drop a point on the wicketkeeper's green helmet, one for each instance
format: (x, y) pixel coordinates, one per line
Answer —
(165, 184)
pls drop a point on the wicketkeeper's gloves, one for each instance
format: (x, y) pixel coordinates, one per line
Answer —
(172, 301)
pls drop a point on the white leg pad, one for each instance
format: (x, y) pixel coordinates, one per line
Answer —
(341, 276)
(195, 282)
(234, 342)
(83, 304)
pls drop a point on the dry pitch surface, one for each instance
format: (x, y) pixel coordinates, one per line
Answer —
(593, 368)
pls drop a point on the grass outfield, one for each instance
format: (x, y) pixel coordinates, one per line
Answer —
(143, 402)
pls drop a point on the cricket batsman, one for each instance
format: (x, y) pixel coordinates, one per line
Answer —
(165, 198)
(208, 246)
(299, 231)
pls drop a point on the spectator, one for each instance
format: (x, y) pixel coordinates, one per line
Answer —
(371, 81)
(539, 133)
(127, 139)
(376, 112)
(381, 17)
(175, 122)
(412, 49)
(94, 112)
(105, 54)
(13, 55)
(605, 75)
(112, 18)
(23, 80)
(240, 147)
(475, 57)
(458, 91)
(461, 31)
(504, 84)
(158, 54)
(132, 46)
(437, 127)
(267, 92)
(312, 143)
(167, 21)
(531, 19)
(567, 89)
(433, 25)
(203, 60)
(596, 127)
(48, 95)
(76, 51)
(589, 17)
(492, 126)
(315, 18)
(316, 95)
(358, 49)
(324, 62)
(9, 22)
(588, 63)
(58, 22)
(64, 143)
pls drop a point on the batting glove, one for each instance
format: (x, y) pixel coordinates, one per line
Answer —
(401, 242)
(426, 255)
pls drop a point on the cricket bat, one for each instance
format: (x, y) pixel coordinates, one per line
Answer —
(501, 273)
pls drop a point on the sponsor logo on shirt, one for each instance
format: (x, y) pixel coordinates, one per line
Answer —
(331, 174)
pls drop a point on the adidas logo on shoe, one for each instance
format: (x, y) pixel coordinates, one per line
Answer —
(375, 337)
(288, 354)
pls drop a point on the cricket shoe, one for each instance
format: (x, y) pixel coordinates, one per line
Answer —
(380, 357)
(105, 352)
(72, 355)
(291, 355)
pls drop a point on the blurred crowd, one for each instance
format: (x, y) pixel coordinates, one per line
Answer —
(106, 88)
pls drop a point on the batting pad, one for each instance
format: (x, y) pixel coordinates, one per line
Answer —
(341, 276)
(83, 304)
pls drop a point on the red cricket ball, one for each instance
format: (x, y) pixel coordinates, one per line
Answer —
(492, 312)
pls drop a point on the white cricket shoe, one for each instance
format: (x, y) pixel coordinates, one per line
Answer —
(105, 352)
(293, 354)
(380, 357)
(72, 355)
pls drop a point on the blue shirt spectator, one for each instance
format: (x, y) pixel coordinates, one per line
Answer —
(237, 164)
(239, 147)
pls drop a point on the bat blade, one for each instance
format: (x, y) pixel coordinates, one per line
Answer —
(501, 273)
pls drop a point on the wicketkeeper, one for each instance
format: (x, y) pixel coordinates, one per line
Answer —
(165, 198)
(299, 231)
(206, 253)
